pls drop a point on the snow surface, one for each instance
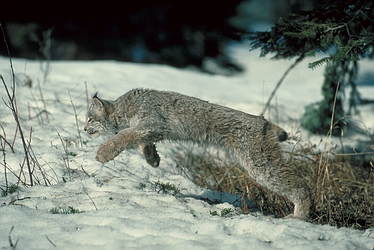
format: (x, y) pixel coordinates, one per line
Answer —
(121, 206)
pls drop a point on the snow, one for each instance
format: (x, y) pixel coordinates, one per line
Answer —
(121, 207)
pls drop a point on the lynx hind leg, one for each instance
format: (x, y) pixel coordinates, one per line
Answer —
(301, 210)
(150, 154)
(301, 196)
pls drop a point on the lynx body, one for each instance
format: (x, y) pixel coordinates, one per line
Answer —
(142, 117)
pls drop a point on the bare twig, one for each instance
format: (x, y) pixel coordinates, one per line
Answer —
(298, 60)
(37, 110)
(84, 171)
(87, 100)
(11, 244)
(54, 172)
(45, 51)
(76, 121)
(66, 159)
(8, 169)
(39, 114)
(45, 107)
(13, 201)
(5, 167)
(15, 137)
(36, 163)
(5, 140)
(333, 109)
(90, 198)
(12, 105)
(53, 244)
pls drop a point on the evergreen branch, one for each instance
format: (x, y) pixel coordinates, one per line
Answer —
(319, 63)
(346, 26)
(302, 34)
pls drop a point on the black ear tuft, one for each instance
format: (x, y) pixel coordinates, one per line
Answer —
(95, 95)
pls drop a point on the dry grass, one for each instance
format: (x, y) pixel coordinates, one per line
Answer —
(344, 194)
(213, 169)
(343, 186)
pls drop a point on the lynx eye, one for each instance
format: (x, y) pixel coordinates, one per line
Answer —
(89, 120)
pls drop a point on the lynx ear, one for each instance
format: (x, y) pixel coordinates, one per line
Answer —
(97, 102)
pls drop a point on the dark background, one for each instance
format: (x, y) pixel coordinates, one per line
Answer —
(177, 33)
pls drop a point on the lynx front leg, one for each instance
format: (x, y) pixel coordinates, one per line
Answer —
(127, 139)
(107, 151)
(283, 180)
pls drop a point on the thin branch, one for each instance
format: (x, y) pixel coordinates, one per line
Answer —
(298, 60)
(44, 105)
(5, 140)
(333, 110)
(10, 60)
(39, 114)
(66, 160)
(5, 167)
(11, 244)
(53, 244)
(76, 121)
(90, 198)
(13, 106)
(87, 100)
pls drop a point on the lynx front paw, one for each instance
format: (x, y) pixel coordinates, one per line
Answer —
(151, 155)
(106, 152)
(291, 216)
(102, 158)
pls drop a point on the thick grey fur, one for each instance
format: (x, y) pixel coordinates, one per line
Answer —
(142, 117)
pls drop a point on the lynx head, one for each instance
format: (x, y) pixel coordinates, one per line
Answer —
(97, 117)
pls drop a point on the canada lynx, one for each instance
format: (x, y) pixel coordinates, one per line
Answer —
(142, 117)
